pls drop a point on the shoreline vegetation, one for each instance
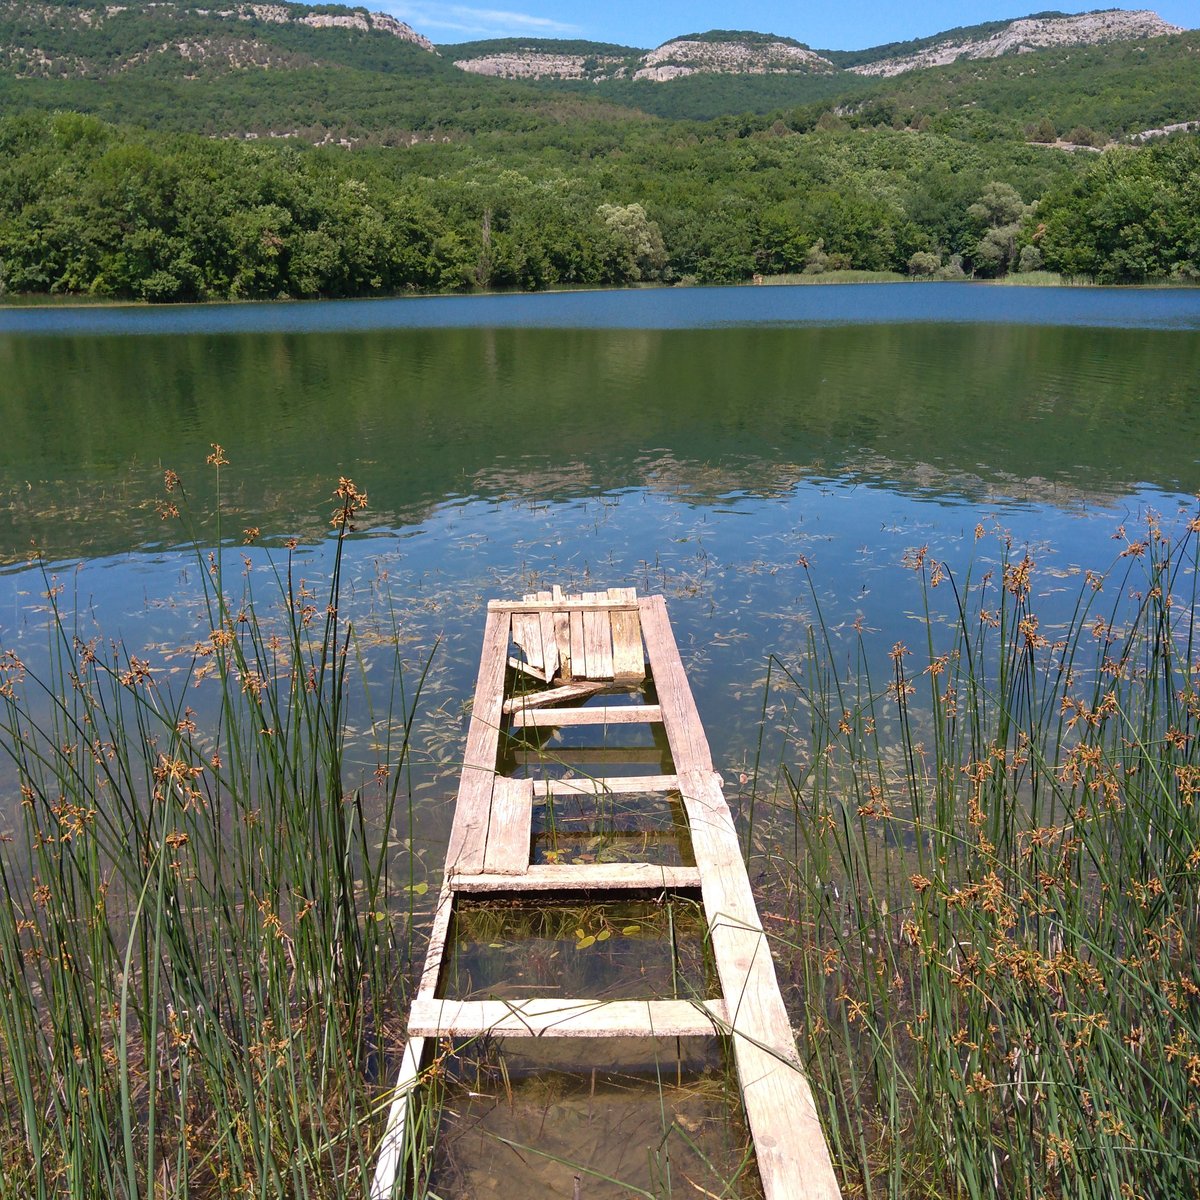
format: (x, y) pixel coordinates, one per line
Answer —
(93, 209)
(831, 278)
(979, 856)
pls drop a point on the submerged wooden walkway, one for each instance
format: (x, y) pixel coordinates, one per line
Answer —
(572, 649)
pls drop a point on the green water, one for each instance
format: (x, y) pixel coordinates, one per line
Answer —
(424, 418)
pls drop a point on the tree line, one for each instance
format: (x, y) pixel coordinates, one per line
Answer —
(92, 208)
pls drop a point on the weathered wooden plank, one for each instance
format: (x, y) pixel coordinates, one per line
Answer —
(597, 639)
(689, 746)
(510, 827)
(565, 1018)
(629, 659)
(588, 600)
(555, 877)
(578, 655)
(617, 785)
(608, 714)
(468, 834)
(526, 633)
(554, 695)
(792, 1155)
(394, 1152)
(440, 931)
(550, 661)
(588, 756)
(562, 633)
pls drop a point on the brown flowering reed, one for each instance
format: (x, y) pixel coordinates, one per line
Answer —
(201, 950)
(995, 884)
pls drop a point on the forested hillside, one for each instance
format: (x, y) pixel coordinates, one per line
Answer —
(295, 151)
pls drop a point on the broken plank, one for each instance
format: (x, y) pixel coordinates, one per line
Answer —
(562, 634)
(527, 634)
(565, 1018)
(510, 827)
(609, 714)
(548, 639)
(555, 695)
(553, 877)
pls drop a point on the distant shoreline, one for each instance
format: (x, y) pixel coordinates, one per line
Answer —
(1033, 279)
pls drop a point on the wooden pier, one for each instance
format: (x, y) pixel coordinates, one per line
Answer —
(568, 651)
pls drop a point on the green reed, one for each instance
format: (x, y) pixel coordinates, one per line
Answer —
(994, 883)
(202, 955)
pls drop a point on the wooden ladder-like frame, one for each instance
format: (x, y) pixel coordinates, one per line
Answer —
(578, 646)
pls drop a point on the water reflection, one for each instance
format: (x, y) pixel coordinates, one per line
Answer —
(954, 414)
(706, 463)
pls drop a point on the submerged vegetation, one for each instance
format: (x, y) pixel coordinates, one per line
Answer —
(979, 858)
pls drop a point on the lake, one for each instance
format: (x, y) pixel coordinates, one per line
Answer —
(775, 461)
(706, 443)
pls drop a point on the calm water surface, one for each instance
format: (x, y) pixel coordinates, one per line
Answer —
(699, 442)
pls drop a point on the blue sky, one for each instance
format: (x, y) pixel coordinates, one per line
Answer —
(843, 25)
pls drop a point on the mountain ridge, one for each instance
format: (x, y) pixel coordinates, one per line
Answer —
(749, 52)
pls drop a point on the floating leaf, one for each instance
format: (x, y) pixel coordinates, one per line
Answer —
(604, 935)
(580, 933)
(584, 943)
(630, 930)
(419, 889)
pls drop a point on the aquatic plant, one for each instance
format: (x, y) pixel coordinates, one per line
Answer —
(201, 946)
(990, 901)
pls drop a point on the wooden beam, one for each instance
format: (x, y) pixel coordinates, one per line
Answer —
(553, 877)
(566, 1018)
(792, 1155)
(589, 600)
(629, 659)
(578, 654)
(510, 828)
(602, 785)
(396, 1150)
(438, 933)
(468, 834)
(685, 732)
(608, 714)
(579, 756)
(597, 639)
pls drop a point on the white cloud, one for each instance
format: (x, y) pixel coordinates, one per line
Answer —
(476, 22)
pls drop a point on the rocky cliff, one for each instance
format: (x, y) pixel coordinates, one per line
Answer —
(1028, 33)
(690, 56)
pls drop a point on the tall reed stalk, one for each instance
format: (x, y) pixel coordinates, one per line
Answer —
(200, 948)
(995, 881)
